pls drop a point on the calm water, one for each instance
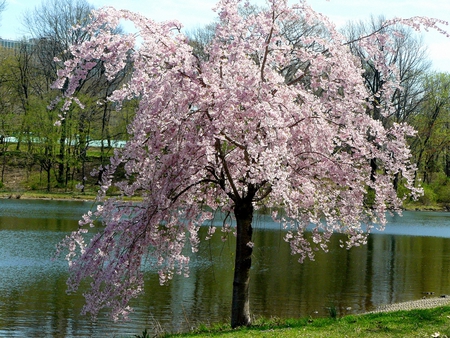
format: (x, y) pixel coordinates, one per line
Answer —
(411, 257)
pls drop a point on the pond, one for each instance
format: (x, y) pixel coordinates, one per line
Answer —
(410, 258)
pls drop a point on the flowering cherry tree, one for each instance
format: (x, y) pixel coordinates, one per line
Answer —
(231, 132)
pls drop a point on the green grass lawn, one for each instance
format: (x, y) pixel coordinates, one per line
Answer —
(415, 323)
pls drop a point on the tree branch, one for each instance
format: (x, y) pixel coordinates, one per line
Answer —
(227, 172)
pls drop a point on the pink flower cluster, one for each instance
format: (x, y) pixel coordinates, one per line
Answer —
(207, 131)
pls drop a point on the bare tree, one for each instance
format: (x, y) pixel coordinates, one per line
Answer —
(53, 28)
(2, 6)
(293, 31)
(406, 52)
(431, 147)
(405, 63)
(199, 38)
(54, 25)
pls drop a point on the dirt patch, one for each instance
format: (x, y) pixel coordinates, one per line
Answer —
(14, 178)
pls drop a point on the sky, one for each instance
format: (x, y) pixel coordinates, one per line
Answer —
(197, 13)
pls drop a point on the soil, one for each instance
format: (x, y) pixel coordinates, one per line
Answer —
(14, 178)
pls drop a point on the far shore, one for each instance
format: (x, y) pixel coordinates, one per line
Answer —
(26, 195)
(77, 196)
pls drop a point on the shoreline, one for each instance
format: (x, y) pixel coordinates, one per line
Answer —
(47, 196)
(73, 196)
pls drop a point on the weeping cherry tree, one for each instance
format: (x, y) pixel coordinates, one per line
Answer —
(229, 132)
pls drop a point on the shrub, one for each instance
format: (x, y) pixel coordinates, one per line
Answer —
(429, 196)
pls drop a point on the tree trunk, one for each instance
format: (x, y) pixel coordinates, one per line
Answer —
(447, 164)
(240, 308)
(49, 178)
(62, 153)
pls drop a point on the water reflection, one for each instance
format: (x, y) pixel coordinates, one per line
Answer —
(393, 267)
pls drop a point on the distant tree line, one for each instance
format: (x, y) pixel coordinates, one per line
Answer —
(61, 153)
(422, 100)
(27, 115)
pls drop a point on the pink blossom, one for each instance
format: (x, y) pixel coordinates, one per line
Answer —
(208, 133)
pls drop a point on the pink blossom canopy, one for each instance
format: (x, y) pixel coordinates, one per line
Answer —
(209, 129)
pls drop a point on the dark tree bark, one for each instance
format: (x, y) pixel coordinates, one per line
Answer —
(240, 308)
(62, 153)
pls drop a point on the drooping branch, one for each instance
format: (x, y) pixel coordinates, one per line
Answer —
(235, 196)
(266, 49)
(247, 132)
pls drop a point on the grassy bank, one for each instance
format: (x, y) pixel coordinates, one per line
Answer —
(47, 195)
(414, 323)
(70, 196)
(91, 195)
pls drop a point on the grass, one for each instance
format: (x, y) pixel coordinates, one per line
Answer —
(415, 323)
(70, 195)
(47, 195)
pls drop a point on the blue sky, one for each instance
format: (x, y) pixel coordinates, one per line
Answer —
(196, 13)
